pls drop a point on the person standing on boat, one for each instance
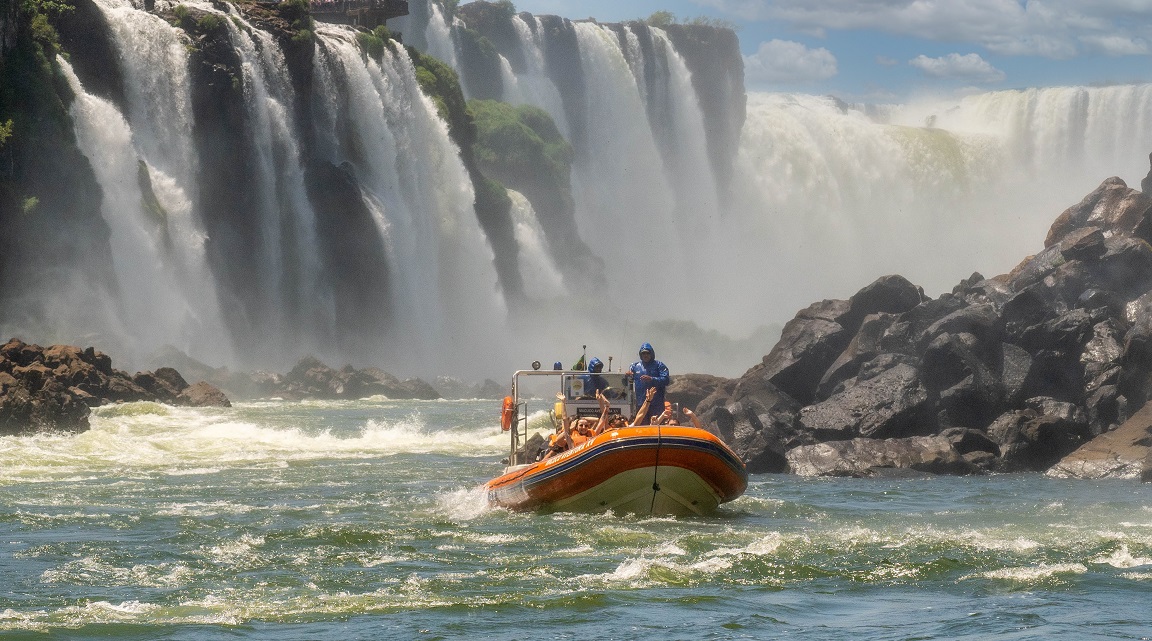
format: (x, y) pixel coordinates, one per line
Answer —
(649, 373)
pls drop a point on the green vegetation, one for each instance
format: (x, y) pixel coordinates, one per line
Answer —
(509, 134)
(5, 132)
(372, 43)
(506, 8)
(665, 19)
(297, 14)
(521, 141)
(440, 82)
(661, 19)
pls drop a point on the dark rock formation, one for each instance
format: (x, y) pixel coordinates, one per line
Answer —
(313, 379)
(1019, 370)
(53, 388)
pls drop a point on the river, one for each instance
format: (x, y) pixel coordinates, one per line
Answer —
(363, 520)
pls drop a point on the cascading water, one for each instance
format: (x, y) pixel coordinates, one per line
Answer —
(542, 280)
(167, 291)
(533, 86)
(823, 198)
(445, 290)
(298, 306)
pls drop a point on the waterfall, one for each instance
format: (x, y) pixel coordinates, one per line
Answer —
(835, 198)
(823, 197)
(167, 291)
(542, 280)
(533, 86)
(445, 291)
(298, 309)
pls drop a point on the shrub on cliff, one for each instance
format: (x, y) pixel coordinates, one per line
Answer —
(517, 143)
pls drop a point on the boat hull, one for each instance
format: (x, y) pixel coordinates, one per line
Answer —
(643, 470)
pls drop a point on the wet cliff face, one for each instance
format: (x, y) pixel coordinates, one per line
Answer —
(84, 34)
(51, 232)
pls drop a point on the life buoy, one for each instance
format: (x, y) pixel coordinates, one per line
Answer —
(507, 414)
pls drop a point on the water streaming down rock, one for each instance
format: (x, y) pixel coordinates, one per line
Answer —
(440, 265)
(148, 173)
(298, 308)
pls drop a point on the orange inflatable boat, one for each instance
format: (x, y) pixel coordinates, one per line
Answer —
(647, 470)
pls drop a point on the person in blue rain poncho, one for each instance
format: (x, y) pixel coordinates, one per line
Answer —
(649, 372)
(593, 381)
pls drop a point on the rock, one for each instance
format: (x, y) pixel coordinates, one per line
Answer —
(1122, 453)
(1146, 183)
(887, 294)
(808, 345)
(864, 347)
(757, 420)
(886, 400)
(1112, 207)
(689, 390)
(202, 394)
(868, 457)
(1029, 441)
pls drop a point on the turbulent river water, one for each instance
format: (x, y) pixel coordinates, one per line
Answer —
(363, 520)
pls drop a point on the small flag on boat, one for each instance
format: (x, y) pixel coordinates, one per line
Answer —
(580, 365)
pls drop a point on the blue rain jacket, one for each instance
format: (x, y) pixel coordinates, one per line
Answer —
(660, 379)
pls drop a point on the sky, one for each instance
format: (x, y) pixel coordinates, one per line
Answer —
(885, 51)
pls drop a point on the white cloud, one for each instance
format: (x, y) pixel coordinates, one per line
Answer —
(787, 62)
(967, 67)
(1049, 28)
(1116, 45)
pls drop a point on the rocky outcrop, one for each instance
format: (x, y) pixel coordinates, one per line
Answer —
(1122, 453)
(864, 457)
(54, 388)
(311, 378)
(1033, 364)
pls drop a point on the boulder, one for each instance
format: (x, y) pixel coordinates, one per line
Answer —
(1121, 453)
(757, 420)
(864, 347)
(689, 390)
(1113, 207)
(808, 345)
(887, 399)
(202, 394)
(864, 457)
(886, 295)
(1030, 441)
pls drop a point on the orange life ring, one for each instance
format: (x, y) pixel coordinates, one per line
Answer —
(507, 414)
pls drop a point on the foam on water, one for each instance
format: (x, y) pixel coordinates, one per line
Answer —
(149, 437)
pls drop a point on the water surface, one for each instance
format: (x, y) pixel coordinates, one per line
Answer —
(362, 520)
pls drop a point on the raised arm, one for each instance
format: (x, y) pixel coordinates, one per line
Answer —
(605, 406)
(692, 416)
(641, 417)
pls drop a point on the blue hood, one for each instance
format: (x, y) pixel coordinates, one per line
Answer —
(593, 363)
(647, 347)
